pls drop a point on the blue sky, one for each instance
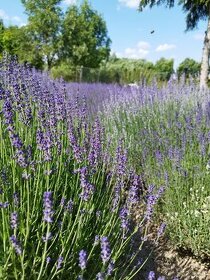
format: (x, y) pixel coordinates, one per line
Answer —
(130, 31)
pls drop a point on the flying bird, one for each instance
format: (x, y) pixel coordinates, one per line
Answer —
(152, 31)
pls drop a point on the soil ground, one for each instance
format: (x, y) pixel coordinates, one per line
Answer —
(168, 262)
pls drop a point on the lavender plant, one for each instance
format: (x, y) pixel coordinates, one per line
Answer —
(166, 132)
(64, 208)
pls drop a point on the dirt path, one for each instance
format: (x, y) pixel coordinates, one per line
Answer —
(166, 261)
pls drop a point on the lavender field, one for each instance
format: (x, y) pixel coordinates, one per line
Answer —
(77, 160)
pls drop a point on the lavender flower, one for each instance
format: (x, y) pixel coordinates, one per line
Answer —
(110, 268)
(124, 218)
(96, 241)
(100, 276)
(151, 275)
(47, 237)
(161, 229)
(16, 245)
(14, 220)
(59, 262)
(82, 259)
(69, 206)
(48, 212)
(105, 249)
(161, 278)
(87, 188)
(48, 260)
(62, 202)
(133, 195)
(4, 204)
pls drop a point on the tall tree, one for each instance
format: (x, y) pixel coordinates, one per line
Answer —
(189, 67)
(196, 10)
(44, 18)
(85, 38)
(164, 68)
(1, 35)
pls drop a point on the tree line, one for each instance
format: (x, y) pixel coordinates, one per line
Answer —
(75, 45)
(51, 37)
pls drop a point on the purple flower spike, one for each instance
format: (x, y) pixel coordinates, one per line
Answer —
(96, 240)
(4, 204)
(161, 229)
(14, 220)
(59, 262)
(105, 249)
(47, 237)
(48, 212)
(48, 260)
(16, 198)
(124, 218)
(16, 245)
(151, 275)
(110, 268)
(100, 276)
(82, 259)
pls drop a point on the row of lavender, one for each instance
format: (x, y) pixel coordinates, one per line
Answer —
(66, 204)
(167, 133)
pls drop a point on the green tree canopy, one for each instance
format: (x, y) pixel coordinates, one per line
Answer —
(164, 68)
(44, 20)
(1, 36)
(189, 67)
(84, 36)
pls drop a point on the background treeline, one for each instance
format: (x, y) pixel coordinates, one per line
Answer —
(75, 45)
(126, 71)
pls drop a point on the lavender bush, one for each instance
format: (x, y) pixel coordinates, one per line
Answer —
(167, 132)
(66, 204)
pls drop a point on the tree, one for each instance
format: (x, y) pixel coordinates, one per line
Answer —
(196, 10)
(1, 36)
(10, 39)
(44, 18)
(164, 68)
(84, 36)
(189, 67)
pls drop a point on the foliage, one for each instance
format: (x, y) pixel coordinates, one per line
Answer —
(196, 10)
(1, 36)
(84, 36)
(166, 131)
(189, 67)
(66, 205)
(164, 69)
(44, 20)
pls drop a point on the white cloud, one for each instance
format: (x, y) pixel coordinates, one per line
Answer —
(199, 36)
(143, 45)
(141, 50)
(3, 15)
(165, 47)
(70, 2)
(12, 20)
(17, 19)
(129, 3)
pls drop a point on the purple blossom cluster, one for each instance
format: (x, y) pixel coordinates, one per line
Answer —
(105, 249)
(16, 245)
(152, 199)
(14, 220)
(82, 259)
(48, 207)
(48, 131)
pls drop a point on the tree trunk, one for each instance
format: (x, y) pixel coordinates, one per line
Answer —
(205, 58)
